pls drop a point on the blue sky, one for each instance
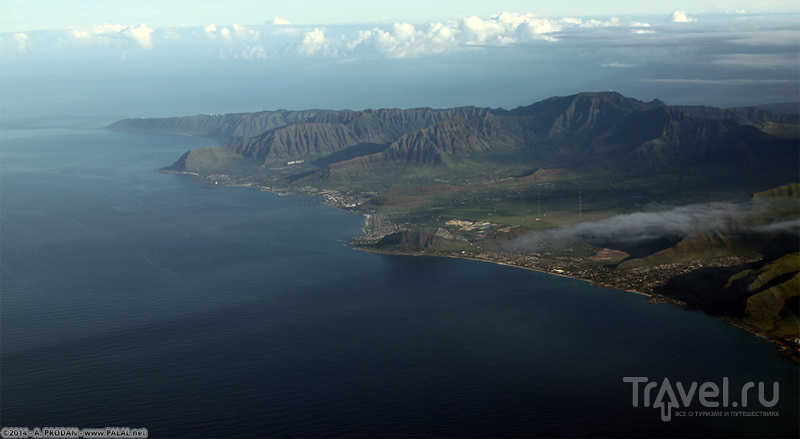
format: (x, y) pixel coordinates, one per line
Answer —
(154, 58)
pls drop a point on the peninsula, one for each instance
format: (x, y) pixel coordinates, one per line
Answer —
(692, 205)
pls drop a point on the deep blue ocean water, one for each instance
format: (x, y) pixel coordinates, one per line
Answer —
(139, 299)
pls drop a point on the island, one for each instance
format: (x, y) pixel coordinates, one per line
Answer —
(691, 205)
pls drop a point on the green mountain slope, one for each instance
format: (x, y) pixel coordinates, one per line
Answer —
(600, 132)
(336, 131)
(771, 292)
(456, 143)
(762, 295)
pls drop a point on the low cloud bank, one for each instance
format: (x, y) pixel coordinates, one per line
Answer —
(675, 224)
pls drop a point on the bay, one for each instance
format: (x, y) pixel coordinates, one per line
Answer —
(140, 299)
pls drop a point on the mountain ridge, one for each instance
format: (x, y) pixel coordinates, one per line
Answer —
(602, 129)
(216, 126)
(594, 132)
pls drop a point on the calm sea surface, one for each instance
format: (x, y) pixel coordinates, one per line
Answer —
(137, 299)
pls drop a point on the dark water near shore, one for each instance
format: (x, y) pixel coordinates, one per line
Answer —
(139, 299)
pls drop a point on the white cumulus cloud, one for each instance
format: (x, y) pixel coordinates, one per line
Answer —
(508, 28)
(479, 31)
(680, 17)
(613, 21)
(21, 40)
(314, 42)
(571, 20)
(140, 34)
(234, 33)
(440, 37)
(245, 33)
(102, 33)
(97, 30)
(280, 21)
(402, 40)
(225, 33)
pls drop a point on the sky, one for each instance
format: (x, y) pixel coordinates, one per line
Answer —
(115, 58)
(27, 15)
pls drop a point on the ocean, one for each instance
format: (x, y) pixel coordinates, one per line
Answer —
(131, 298)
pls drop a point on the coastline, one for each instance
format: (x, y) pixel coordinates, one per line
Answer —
(472, 258)
(334, 199)
(786, 350)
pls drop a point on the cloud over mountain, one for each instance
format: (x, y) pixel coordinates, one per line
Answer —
(638, 227)
(675, 223)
